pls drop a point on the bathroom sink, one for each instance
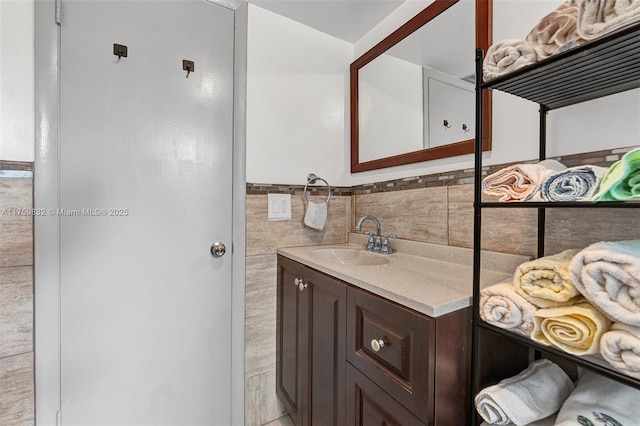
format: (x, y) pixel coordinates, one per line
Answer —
(349, 256)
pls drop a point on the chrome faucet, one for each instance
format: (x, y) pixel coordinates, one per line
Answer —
(376, 243)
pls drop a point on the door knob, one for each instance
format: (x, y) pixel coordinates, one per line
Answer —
(377, 344)
(218, 249)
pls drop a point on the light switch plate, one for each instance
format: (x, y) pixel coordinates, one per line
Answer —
(279, 206)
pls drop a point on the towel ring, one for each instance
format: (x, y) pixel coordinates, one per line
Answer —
(312, 179)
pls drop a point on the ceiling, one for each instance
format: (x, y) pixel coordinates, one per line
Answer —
(348, 20)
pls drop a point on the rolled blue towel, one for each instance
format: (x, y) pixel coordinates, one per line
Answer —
(573, 184)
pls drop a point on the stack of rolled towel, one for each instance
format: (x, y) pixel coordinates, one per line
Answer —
(543, 395)
(550, 180)
(584, 302)
(543, 304)
(571, 24)
(608, 275)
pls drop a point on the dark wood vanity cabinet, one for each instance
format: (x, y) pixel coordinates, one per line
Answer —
(310, 349)
(421, 362)
(346, 356)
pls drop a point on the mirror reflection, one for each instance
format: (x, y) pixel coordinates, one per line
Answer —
(414, 99)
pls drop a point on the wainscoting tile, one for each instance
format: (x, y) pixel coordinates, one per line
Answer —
(282, 421)
(261, 285)
(16, 383)
(260, 343)
(577, 228)
(265, 236)
(261, 403)
(414, 214)
(503, 230)
(16, 241)
(16, 310)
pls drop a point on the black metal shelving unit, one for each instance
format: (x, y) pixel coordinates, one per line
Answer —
(602, 67)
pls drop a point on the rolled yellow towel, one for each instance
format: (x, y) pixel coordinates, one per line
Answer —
(546, 282)
(575, 329)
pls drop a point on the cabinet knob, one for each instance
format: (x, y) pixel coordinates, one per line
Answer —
(297, 281)
(302, 285)
(377, 344)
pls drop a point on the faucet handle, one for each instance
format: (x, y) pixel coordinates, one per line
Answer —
(370, 241)
(386, 246)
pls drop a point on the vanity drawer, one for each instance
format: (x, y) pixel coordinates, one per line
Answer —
(395, 348)
(368, 405)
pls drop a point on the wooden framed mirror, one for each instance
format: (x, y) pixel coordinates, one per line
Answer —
(416, 114)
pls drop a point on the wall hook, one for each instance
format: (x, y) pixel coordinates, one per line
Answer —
(120, 50)
(446, 124)
(188, 66)
(465, 128)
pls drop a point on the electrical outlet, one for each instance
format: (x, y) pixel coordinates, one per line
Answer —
(278, 206)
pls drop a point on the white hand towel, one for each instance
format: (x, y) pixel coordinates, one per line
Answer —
(501, 306)
(316, 215)
(608, 275)
(600, 401)
(535, 393)
(620, 346)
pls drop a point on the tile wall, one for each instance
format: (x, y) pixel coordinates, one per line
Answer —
(263, 237)
(16, 295)
(436, 208)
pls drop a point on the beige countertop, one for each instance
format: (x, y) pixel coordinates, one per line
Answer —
(429, 278)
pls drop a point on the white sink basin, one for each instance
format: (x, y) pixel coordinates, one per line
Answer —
(349, 256)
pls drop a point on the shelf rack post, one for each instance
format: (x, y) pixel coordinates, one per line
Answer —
(477, 213)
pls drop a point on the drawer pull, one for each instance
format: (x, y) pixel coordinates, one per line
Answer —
(377, 344)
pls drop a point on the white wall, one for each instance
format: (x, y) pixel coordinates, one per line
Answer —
(297, 101)
(16, 80)
(390, 109)
(601, 124)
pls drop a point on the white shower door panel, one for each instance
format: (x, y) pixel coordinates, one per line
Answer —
(145, 190)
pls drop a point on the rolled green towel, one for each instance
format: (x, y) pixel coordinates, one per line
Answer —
(622, 181)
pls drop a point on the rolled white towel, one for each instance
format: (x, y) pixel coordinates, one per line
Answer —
(506, 56)
(574, 329)
(620, 347)
(599, 17)
(534, 394)
(520, 182)
(573, 184)
(501, 306)
(608, 275)
(597, 400)
(547, 421)
(545, 282)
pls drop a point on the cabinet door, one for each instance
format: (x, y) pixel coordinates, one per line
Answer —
(311, 341)
(369, 405)
(327, 337)
(291, 352)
